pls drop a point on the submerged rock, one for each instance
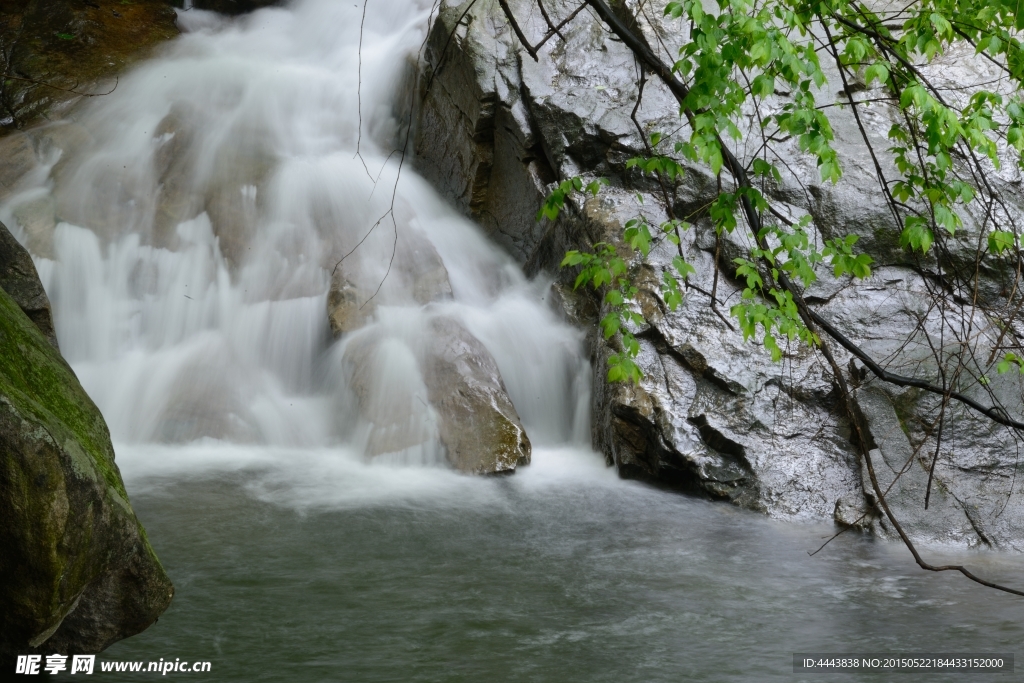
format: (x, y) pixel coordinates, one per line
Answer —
(76, 570)
(417, 266)
(421, 263)
(348, 308)
(38, 220)
(397, 418)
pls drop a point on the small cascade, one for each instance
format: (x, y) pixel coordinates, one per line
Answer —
(237, 254)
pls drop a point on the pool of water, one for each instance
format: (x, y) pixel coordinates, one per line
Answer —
(315, 567)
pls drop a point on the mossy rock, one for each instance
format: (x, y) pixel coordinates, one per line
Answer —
(76, 570)
(56, 49)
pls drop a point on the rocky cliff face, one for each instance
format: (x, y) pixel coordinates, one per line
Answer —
(713, 414)
(76, 570)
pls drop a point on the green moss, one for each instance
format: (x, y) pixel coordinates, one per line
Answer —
(39, 384)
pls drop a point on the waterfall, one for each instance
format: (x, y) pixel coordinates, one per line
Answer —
(188, 227)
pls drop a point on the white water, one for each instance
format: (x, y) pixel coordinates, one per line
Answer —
(204, 338)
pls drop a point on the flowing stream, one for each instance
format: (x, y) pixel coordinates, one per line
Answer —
(202, 211)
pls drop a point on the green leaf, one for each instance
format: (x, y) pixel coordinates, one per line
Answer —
(610, 324)
(879, 71)
(682, 267)
(999, 241)
(916, 235)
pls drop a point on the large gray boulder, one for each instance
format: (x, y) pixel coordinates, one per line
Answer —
(715, 415)
(76, 570)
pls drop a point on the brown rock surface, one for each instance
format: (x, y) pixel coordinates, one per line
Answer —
(54, 50)
(19, 279)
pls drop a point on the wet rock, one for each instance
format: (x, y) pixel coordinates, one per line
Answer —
(902, 472)
(424, 279)
(19, 279)
(715, 415)
(59, 142)
(17, 158)
(233, 6)
(61, 49)
(854, 511)
(176, 199)
(348, 308)
(37, 219)
(420, 262)
(233, 198)
(393, 403)
(441, 388)
(207, 399)
(76, 570)
(479, 425)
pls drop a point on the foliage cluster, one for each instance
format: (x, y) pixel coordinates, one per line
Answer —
(762, 58)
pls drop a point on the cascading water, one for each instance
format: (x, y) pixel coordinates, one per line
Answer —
(187, 228)
(201, 211)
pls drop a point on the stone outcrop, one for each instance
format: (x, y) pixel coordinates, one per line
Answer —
(348, 308)
(76, 570)
(444, 387)
(351, 303)
(54, 51)
(715, 415)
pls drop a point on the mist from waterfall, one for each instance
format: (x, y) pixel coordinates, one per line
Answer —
(201, 209)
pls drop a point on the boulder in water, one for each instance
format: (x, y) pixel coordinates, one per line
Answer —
(417, 266)
(478, 423)
(347, 306)
(393, 409)
(447, 389)
(420, 261)
(37, 217)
